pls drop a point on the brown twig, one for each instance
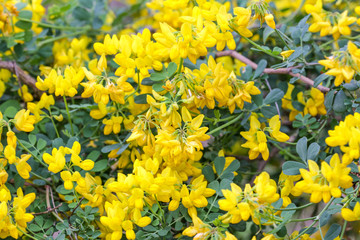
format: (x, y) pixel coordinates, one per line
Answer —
(73, 211)
(288, 70)
(21, 74)
(48, 211)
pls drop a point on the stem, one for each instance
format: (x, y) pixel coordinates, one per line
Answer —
(261, 48)
(50, 40)
(180, 65)
(52, 120)
(302, 219)
(343, 230)
(42, 178)
(33, 155)
(282, 39)
(285, 151)
(48, 205)
(69, 117)
(317, 218)
(295, 208)
(29, 236)
(211, 206)
(47, 25)
(273, 139)
(225, 125)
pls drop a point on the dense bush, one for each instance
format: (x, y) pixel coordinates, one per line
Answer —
(179, 119)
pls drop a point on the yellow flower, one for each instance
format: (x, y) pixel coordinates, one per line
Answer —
(24, 121)
(324, 183)
(287, 53)
(23, 167)
(112, 125)
(24, 93)
(256, 140)
(269, 19)
(274, 129)
(351, 215)
(56, 161)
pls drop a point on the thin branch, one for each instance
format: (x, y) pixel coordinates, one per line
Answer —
(48, 211)
(288, 71)
(21, 74)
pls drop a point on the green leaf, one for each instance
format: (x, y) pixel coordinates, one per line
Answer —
(25, 14)
(34, 227)
(313, 151)
(93, 155)
(269, 111)
(351, 86)
(41, 144)
(147, 82)
(158, 87)
(214, 185)
(333, 232)
(329, 99)
(208, 173)
(224, 184)
(319, 79)
(158, 76)
(141, 99)
(81, 14)
(274, 96)
(267, 32)
(86, 3)
(260, 68)
(123, 148)
(39, 220)
(10, 112)
(219, 163)
(288, 214)
(57, 142)
(39, 182)
(339, 102)
(228, 173)
(301, 148)
(171, 69)
(109, 148)
(100, 165)
(292, 168)
(32, 139)
(23, 25)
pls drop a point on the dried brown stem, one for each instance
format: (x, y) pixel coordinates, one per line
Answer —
(48, 211)
(288, 71)
(21, 74)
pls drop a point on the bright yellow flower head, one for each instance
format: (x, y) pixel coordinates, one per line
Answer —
(24, 121)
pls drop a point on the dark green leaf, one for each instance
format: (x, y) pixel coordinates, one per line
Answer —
(100, 165)
(260, 68)
(25, 14)
(267, 32)
(171, 69)
(339, 102)
(109, 148)
(313, 151)
(333, 232)
(219, 163)
(292, 168)
(301, 148)
(158, 76)
(208, 173)
(81, 14)
(273, 96)
(141, 99)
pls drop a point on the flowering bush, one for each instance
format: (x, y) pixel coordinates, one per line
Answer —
(166, 119)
